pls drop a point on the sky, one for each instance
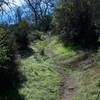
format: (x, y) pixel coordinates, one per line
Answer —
(5, 16)
(18, 2)
(14, 3)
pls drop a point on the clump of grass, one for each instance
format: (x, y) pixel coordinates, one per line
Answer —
(40, 45)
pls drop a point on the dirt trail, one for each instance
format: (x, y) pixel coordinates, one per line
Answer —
(68, 88)
(68, 84)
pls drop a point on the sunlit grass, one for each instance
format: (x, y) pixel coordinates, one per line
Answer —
(42, 81)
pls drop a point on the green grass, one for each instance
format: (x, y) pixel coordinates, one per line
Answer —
(87, 84)
(57, 48)
(42, 81)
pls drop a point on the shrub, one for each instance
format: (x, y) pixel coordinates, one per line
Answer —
(7, 60)
(21, 35)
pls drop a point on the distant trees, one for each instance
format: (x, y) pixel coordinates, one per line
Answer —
(79, 19)
(38, 13)
(42, 10)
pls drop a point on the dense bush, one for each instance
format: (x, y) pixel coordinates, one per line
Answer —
(22, 35)
(78, 19)
(5, 46)
(8, 69)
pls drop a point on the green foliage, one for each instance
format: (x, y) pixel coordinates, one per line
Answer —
(78, 20)
(7, 60)
(5, 46)
(3, 55)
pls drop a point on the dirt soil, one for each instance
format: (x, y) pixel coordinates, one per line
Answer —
(68, 84)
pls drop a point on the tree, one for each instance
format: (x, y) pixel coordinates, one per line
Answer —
(21, 37)
(42, 10)
(5, 7)
(4, 4)
(79, 20)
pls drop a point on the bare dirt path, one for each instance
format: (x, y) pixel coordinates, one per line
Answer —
(68, 88)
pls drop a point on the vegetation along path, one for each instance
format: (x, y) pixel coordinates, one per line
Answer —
(78, 69)
(55, 72)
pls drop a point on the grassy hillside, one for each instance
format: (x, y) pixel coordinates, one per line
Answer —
(53, 70)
